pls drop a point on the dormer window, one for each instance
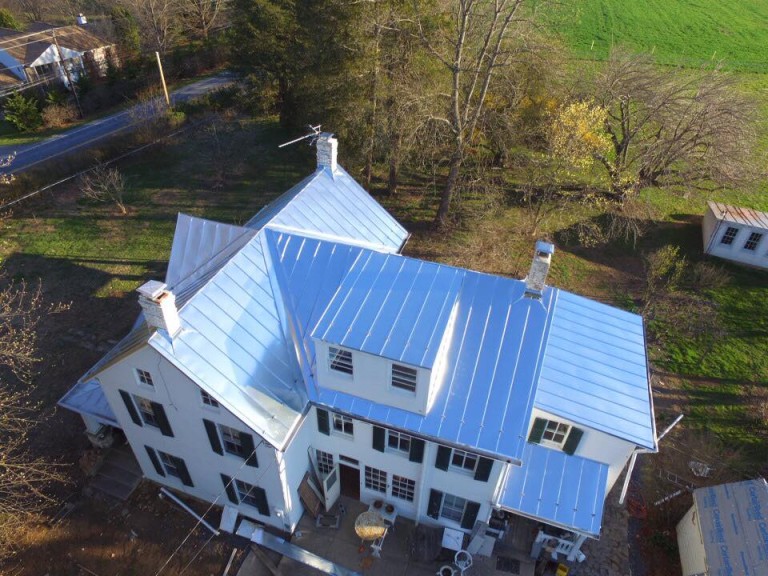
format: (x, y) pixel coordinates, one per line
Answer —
(340, 360)
(555, 434)
(404, 377)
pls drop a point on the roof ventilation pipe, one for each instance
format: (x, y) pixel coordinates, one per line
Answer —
(159, 306)
(327, 148)
(537, 276)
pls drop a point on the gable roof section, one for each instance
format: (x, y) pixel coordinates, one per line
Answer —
(232, 344)
(393, 307)
(485, 398)
(332, 206)
(737, 215)
(27, 46)
(595, 370)
(87, 398)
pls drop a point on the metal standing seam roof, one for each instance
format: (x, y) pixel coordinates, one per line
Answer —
(595, 370)
(486, 396)
(87, 397)
(566, 491)
(736, 215)
(734, 527)
(333, 206)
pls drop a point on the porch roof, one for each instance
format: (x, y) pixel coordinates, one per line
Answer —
(565, 491)
(87, 398)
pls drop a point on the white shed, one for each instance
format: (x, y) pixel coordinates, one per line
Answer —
(726, 531)
(737, 234)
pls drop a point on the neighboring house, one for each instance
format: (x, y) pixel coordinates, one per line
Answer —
(33, 55)
(726, 531)
(737, 234)
(303, 342)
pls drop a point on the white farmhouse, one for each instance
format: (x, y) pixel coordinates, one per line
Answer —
(303, 344)
(737, 234)
(726, 530)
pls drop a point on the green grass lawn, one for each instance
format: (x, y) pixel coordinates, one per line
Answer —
(687, 32)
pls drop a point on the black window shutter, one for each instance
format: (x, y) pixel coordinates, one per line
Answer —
(213, 436)
(249, 451)
(379, 435)
(261, 501)
(470, 515)
(181, 466)
(435, 501)
(443, 457)
(229, 486)
(131, 407)
(161, 419)
(483, 470)
(537, 431)
(417, 450)
(155, 460)
(323, 422)
(572, 442)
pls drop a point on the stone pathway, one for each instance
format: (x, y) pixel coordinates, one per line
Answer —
(608, 556)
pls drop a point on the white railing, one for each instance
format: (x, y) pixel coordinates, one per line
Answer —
(554, 546)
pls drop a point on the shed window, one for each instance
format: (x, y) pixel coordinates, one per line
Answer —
(340, 360)
(753, 241)
(404, 377)
(729, 235)
(144, 377)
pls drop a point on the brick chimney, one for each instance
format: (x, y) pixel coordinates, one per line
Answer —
(327, 147)
(537, 276)
(159, 305)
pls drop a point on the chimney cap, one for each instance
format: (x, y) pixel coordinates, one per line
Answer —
(152, 289)
(545, 247)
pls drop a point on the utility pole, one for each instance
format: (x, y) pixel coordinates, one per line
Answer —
(66, 72)
(162, 79)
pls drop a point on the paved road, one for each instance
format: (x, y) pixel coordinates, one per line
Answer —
(88, 134)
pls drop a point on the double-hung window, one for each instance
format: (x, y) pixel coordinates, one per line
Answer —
(208, 400)
(729, 235)
(240, 492)
(753, 241)
(453, 507)
(343, 424)
(398, 442)
(145, 412)
(463, 460)
(403, 488)
(169, 465)
(228, 440)
(340, 360)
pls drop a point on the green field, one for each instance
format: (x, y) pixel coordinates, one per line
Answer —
(687, 32)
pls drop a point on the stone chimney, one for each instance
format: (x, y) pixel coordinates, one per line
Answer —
(534, 282)
(159, 305)
(327, 146)
(81, 20)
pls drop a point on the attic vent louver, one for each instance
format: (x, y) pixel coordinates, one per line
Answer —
(535, 281)
(159, 306)
(327, 147)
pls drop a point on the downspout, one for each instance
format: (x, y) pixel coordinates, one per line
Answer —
(637, 451)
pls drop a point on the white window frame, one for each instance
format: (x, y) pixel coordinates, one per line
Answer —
(555, 434)
(208, 400)
(451, 505)
(755, 243)
(228, 436)
(341, 361)
(398, 443)
(324, 461)
(144, 408)
(168, 465)
(243, 490)
(403, 488)
(464, 458)
(144, 378)
(375, 480)
(731, 239)
(339, 424)
(400, 378)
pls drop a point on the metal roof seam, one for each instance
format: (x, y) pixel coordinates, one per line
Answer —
(415, 321)
(381, 308)
(514, 372)
(408, 293)
(446, 302)
(613, 391)
(493, 374)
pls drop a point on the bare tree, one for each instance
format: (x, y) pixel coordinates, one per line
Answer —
(158, 20)
(201, 16)
(673, 126)
(485, 36)
(104, 184)
(23, 477)
(33, 10)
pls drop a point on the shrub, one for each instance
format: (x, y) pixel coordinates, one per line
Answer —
(58, 115)
(23, 113)
(706, 276)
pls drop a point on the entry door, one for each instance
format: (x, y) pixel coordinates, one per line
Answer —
(331, 487)
(350, 481)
